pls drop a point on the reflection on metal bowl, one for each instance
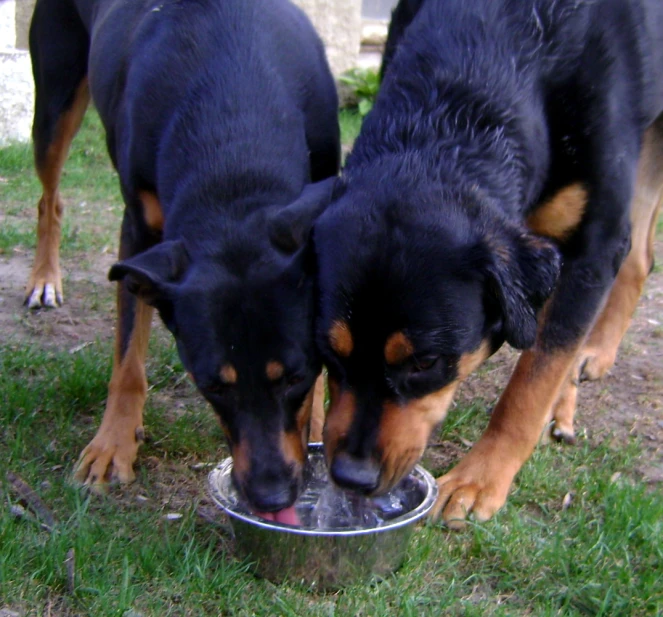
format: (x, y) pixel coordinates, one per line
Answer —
(343, 539)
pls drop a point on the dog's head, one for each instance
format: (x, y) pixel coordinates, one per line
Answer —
(417, 288)
(242, 314)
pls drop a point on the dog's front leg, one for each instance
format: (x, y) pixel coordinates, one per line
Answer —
(480, 483)
(112, 452)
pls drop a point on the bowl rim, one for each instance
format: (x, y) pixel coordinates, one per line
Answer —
(408, 518)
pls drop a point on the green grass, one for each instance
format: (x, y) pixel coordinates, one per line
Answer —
(350, 122)
(601, 556)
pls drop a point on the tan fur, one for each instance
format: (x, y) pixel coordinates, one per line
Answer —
(152, 210)
(404, 432)
(228, 374)
(397, 348)
(481, 480)
(340, 339)
(560, 215)
(294, 443)
(342, 407)
(598, 354)
(318, 411)
(114, 448)
(274, 370)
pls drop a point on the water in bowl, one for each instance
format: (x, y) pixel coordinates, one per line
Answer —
(325, 506)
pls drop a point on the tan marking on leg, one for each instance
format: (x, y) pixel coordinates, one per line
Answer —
(564, 412)
(152, 211)
(603, 343)
(340, 339)
(480, 482)
(44, 287)
(113, 450)
(228, 374)
(274, 370)
(560, 215)
(398, 348)
(318, 411)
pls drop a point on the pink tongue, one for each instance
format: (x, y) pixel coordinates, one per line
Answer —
(286, 517)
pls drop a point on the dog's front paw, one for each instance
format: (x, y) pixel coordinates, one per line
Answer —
(474, 488)
(109, 457)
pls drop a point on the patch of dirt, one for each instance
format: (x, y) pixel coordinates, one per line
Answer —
(87, 313)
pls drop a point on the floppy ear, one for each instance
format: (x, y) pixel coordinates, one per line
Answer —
(290, 226)
(147, 274)
(523, 270)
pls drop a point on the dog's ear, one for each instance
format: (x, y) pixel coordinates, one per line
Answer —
(149, 273)
(289, 227)
(522, 272)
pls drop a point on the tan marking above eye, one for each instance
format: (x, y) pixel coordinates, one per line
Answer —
(397, 348)
(340, 339)
(228, 374)
(561, 214)
(274, 370)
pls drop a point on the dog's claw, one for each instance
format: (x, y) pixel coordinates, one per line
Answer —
(100, 463)
(563, 436)
(46, 296)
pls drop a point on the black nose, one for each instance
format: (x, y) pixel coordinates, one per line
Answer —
(358, 474)
(270, 498)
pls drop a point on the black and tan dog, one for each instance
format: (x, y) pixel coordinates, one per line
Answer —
(513, 158)
(218, 117)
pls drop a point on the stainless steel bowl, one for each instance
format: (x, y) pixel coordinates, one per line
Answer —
(323, 558)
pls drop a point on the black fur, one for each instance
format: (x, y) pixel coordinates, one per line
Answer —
(227, 111)
(486, 109)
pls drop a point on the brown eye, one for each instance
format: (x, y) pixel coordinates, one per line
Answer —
(293, 380)
(424, 364)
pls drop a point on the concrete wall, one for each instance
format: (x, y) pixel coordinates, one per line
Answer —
(24, 10)
(339, 24)
(16, 87)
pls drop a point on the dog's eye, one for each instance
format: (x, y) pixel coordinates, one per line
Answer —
(216, 388)
(424, 364)
(294, 380)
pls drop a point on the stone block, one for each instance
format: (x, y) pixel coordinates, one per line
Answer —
(16, 96)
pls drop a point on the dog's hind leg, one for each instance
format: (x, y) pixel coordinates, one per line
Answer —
(59, 49)
(599, 352)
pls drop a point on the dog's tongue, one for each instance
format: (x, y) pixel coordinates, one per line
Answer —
(286, 517)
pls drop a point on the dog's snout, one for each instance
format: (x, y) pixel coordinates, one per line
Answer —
(359, 474)
(271, 496)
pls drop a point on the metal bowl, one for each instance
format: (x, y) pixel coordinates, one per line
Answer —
(349, 552)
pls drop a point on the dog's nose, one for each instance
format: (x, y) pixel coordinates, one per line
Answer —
(358, 474)
(271, 496)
